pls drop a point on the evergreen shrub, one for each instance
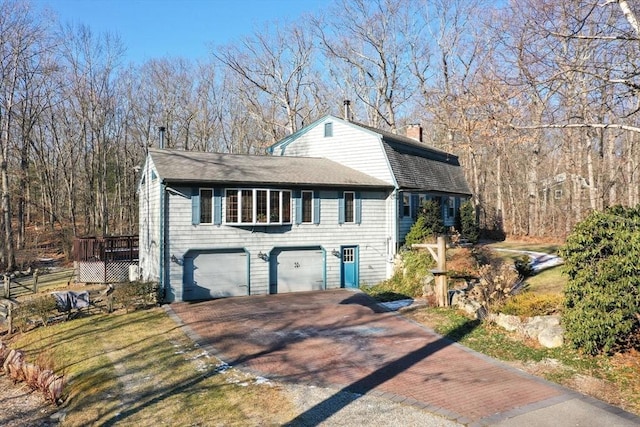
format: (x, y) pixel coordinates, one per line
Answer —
(602, 296)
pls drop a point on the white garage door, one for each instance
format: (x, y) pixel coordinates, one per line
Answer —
(215, 274)
(294, 270)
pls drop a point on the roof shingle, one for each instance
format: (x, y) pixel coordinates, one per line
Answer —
(194, 166)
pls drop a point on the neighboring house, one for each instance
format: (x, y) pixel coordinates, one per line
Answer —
(555, 190)
(329, 208)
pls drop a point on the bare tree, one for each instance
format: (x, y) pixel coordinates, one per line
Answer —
(369, 51)
(22, 48)
(276, 66)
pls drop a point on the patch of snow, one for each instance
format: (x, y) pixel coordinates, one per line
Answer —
(539, 260)
(262, 380)
(396, 305)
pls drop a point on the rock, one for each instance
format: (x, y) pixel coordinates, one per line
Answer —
(58, 416)
(535, 325)
(427, 285)
(508, 322)
(460, 300)
(552, 337)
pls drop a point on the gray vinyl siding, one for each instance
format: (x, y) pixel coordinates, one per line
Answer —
(149, 223)
(351, 146)
(370, 235)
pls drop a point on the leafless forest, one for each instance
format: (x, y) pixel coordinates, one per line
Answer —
(539, 98)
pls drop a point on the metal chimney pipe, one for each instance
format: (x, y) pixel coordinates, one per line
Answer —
(347, 110)
(161, 130)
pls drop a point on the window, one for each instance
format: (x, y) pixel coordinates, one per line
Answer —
(232, 206)
(274, 206)
(348, 255)
(328, 130)
(286, 207)
(557, 194)
(261, 206)
(247, 206)
(257, 206)
(307, 206)
(349, 207)
(406, 204)
(206, 206)
(451, 207)
(349, 211)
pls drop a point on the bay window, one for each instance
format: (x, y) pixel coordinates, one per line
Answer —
(258, 206)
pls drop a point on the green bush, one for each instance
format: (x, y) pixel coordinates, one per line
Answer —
(408, 279)
(428, 224)
(602, 296)
(468, 223)
(523, 266)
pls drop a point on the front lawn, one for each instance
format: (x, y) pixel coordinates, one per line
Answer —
(141, 369)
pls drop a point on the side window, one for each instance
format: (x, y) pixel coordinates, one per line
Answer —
(406, 204)
(451, 207)
(307, 206)
(206, 206)
(349, 205)
(328, 130)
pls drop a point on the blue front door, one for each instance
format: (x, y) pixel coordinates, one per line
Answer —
(349, 266)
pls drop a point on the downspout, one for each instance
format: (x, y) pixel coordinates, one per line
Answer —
(162, 242)
(396, 220)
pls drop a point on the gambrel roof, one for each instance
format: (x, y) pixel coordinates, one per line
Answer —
(194, 166)
(418, 166)
(415, 166)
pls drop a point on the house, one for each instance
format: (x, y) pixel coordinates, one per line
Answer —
(328, 208)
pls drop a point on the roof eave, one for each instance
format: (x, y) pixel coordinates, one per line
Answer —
(191, 181)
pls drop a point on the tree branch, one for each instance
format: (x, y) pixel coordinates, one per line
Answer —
(580, 125)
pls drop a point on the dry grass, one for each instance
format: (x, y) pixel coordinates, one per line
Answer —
(140, 369)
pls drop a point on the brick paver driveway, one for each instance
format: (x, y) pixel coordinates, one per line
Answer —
(341, 338)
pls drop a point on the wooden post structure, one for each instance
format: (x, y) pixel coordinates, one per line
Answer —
(35, 281)
(7, 286)
(439, 254)
(10, 318)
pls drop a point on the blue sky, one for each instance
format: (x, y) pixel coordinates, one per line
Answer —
(158, 28)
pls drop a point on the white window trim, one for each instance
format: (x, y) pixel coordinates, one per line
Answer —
(254, 197)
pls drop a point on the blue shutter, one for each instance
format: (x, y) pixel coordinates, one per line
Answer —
(195, 206)
(316, 207)
(358, 208)
(217, 206)
(298, 202)
(340, 208)
(400, 204)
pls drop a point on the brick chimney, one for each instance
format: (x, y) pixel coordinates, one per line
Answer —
(415, 132)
